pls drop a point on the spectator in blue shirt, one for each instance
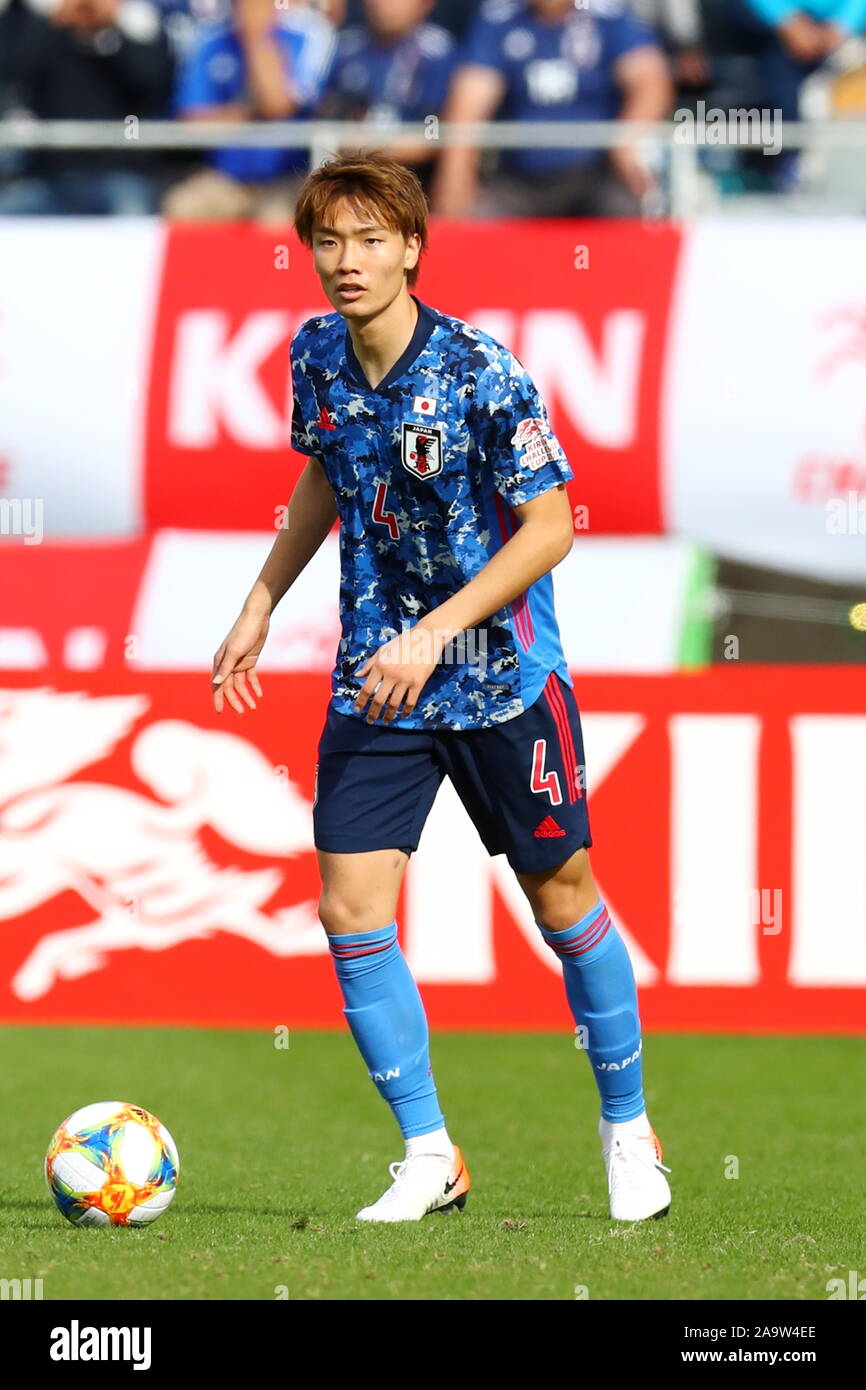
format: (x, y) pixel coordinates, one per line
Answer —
(453, 15)
(546, 60)
(265, 64)
(394, 67)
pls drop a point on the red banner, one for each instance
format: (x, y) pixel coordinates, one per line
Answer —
(152, 361)
(584, 305)
(157, 865)
(71, 604)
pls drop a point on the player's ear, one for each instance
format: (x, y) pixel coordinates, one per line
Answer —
(413, 251)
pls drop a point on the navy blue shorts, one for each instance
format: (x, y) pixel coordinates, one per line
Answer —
(522, 783)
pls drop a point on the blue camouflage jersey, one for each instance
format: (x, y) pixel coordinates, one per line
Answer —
(425, 471)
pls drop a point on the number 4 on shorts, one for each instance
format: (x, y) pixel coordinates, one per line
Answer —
(540, 780)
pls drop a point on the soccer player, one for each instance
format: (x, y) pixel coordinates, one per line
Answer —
(429, 441)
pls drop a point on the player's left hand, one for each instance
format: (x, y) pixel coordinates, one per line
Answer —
(397, 673)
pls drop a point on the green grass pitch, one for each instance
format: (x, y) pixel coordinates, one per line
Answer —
(280, 1147)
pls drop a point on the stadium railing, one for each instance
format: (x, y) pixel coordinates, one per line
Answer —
(676, 145)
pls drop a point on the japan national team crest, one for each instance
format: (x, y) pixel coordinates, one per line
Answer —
(421, 450)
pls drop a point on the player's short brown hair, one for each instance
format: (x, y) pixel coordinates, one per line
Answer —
(375, 183)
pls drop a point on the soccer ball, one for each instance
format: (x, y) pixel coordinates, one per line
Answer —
(112, 1164)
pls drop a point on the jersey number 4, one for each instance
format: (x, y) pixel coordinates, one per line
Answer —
(542, 781)
(384, 518)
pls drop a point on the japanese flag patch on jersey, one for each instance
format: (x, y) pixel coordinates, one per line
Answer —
(422, 450)
(534, 438)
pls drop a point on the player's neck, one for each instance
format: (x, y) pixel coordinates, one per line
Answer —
(381, 341)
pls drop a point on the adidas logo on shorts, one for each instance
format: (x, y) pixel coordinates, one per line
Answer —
(548, 829)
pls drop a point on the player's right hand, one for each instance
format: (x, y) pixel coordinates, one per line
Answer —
(238, 655)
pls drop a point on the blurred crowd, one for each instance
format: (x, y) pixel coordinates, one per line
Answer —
(382, 61)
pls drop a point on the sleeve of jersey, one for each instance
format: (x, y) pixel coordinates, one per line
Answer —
(436, 79)
(482, 45)
(625, 33)
(519, 445)
(301, 440)
(194, 87)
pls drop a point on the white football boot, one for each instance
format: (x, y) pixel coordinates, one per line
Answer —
(636, 1182)
(423, 1183)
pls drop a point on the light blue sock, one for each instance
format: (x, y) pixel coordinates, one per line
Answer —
(602, 996)
(387, 1019)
